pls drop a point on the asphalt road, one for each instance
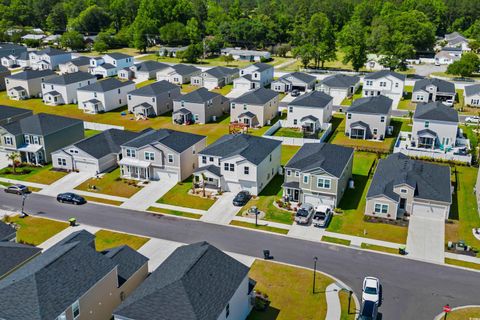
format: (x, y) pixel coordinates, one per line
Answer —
(411, 289)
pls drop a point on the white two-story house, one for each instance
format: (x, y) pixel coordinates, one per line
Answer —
(433, 89)
(48, 58)
(110, 64)
(255, 76)
(239, 162)
(27, 84)
(386, 83)
(62, 89)
(216, 77)
(178, 74)
(255, 108)
(105, 95)
(310, 112)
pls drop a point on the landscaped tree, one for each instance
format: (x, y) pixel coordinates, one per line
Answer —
(140, 30)
(321, 35)
(192, 53)
(352, 40)
(14, 158)
(72, 40)
(228, 58)
(468, 64)
(193, 31)
(92, 19)
(304, 53)
(102, 42)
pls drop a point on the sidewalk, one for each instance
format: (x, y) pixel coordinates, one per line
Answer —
(222, 211)
(177, 208)
(334, 308)
(67, 183)
(148, 195)
(25, 183)
(462, 257)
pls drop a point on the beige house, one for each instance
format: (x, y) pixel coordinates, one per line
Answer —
(368, 118)
(255, 108)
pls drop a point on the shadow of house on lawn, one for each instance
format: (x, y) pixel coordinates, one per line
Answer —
(353, 197)
(273, 187)
(270, 314)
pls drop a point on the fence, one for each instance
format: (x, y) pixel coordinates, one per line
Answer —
(327, 128)
(100, 126)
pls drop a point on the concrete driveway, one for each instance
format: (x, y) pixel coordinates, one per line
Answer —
(67, 183)
(222, 211)
(426, 238)
(306, 232)
(149, 194)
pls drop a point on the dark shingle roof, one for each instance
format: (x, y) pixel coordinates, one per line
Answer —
(31, 74)
(200, 95)
(195, 282)
(340, 81)
(15, 254)
(442, 85)
(258, 97)
(184, 69)
(329, 157)
(374, 105)
(52, 52)
(81, 61)
(128, 261)
(69, 78)
(430, 181)
(7, 112)
(175, 140)
(315, 99)
(107, 66)
(106, 85)
(210, 168)
(435, 111)
(254, 149)
(149, 65)
(7, 232)
(118, 55)
(41, 124)
(305, 77)
(384, 73)
(262, 66)
(221, 72)
(154, 89)
(472, 90)
(106, 142)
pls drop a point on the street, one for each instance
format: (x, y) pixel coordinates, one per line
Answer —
(412, 289)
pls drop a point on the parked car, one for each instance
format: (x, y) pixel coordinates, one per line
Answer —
(295, 93)
(369, 311)
(241, 198)
(323, 215)
(71, 198)
(304, 214)
(472, 119)
(371, 289)
(17, 189)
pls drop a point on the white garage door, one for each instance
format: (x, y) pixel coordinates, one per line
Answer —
(235, 187)
(166, 175)
(4, 162)
(429, 211)
(318, 200)
(242, 86)
(85, 166)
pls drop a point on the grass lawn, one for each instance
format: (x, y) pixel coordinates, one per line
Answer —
(175, 213)
(178, 196)
(461, 263)
(35, 230)
(90, 133)
(187, 88)
(446, 75)
(336, 240)
(224, 90)
(289, 133)
(356, 95)
(472, 313)
(101, 200)
(350, 221)
(145, 83)
(210, 61)
(111, 183)
(379, 248)
(290, 291)
(259, 227)
(129, 51)
(43, 175)
(406, 102)
(105, 239)
(264, 202)
(287, 153)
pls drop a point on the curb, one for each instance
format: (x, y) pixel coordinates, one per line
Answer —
(441, 315)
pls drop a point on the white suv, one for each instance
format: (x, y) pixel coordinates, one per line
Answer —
(371, 289)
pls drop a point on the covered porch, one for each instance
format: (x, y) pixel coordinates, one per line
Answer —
(248, 118)
(183, 116)
(135, 169)
(17, 93)
(53, 98)
(144, 109)
(426, 139)
(359, 130)
(310, 124)
(32, 153)
(291, 191)
(208, 177)
(92, 106)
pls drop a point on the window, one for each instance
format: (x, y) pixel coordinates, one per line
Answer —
(170, 158)
(246, 170)
(211, 159)
(270, 157)
(382, 119)
(427, 124)
(375, 131)
(131, 153)
(381, 208)
(403, 190)
(383, 84)
(396, 84)
(233, 105)
(419, 98)
(290, 109)
(129, 97)
(289, 173)
(120, 101)
(76, 309)
(149, 156)
(305, 179)
(297, 173)
(323, 183)
(232, 167)
(27, 139)
(118, 91)
(61, 162)
(73, 151)
(63, 316)
(8, 140)
(225, 166)
(204, 159)
(349, 116)
(295, 121)
(36, 140)
(227, 310)
(244, 107)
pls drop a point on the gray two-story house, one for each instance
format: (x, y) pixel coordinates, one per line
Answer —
(199, 106)
(27, 84)
(37, 136)
(318, 174)
(368, 118)
(255, 108)
(154, 99)
(161, 154)
(427, 90)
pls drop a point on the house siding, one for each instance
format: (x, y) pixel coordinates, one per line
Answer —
(444, 130)
(373, 121)
(163, 102)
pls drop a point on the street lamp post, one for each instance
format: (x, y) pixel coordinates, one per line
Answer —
(314, 273)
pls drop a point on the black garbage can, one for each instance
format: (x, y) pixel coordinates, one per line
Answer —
(266, 254)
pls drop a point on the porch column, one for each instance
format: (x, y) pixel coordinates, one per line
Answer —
(36, 158)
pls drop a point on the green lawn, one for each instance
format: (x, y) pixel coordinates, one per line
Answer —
(290, 291)
(145, 83)
(179, 196)
(224, 90)
(43, 175)
(175, 213)
(129, 51)
(446, 75)
(472, 313)
(356, 95)
(105, 239)
(102, 200)
(461, 263)
(379, 248)
(406, 102)
(287, 153)
(350, 221)
(336, 64)
(111, 183)
(34, 231)
(210, 61)
(289, 132)
(90, 133)
(336, 240)
(260, 226)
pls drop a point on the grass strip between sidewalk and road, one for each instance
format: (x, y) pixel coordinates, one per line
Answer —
(102, 200)
(460, 263)
(378, 248)
(336, 240)
(175, 213)
(259, 227)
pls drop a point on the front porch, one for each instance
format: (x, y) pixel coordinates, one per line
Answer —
(32, 154)
(93, 106)
(183, 116)
(53, 98)
(208, 177)
(17, 93)
(136, 169)
(249, 119)
(292, 192)
(144, 110)
(359, 130)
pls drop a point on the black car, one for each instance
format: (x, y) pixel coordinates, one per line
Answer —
(295, 93)
(369, 311)
(17, 189)
(241, 198)
(71, 198)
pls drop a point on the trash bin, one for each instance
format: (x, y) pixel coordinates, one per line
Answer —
(266, 254)
(402, 251)
(73, 222)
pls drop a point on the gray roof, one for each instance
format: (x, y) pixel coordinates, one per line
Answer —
(309, 117)
(175, 140)
(221, 72)
(435, 111)
(7, 112)
(254, 149)
(150, 65)
(210, 168)
(442, 85)
(472, 90)
(452, 49)
(195, 282)
(106, 142)
(107, 66)
(291, 184)
(183, 111)
(305, 77)
(262, 66)
(31, 74)
(106, 85)
(328, 157)
(184, 69)
(359, 124)
(15, 254)
(52, 52)
(430, 181)
(374, 105)
(259, 96)
(118, 55)
(340, 81)
(154, 89)
(53, 93)
(7, 232)
(201, 95)
(40, 124)
(453, 35)
(81, 61)
(315, 99)
(247, 114)
(384, 73)
(128, 261)
(69, 78)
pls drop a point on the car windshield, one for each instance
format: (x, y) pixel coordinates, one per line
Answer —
(370, 290)
(320, 215)
(302, 213)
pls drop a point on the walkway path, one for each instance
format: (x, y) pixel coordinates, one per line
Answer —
(67, 183)
(222, 211)
(149, 194)
(334, 308)
(285, 64)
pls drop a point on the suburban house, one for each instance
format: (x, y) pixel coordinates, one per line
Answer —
(146, 70)
(311, 111)
(373, 62)
(255, 76)
(318, 173)
(446, 57)
(62, 89)
(161, 154)
(20, 60)
(95, 154)
(4, 72)
(294, 81)
(171, 51)
(197, 281)
(37, 136)
(27, 84)
(456, 40)
(178, 74)
(385, 82)
(216, 77)
(48, 58)
(7, 232)
(246, 55)
(199, 106)
(255, 108)
(110, 64)
(7, 49)
(14, 255)
(339, 86)
(402, 185)
(71, 280)
(238, 162)
(153, 99)
(105, 95)
(368, 118)
(472, 95)
(433, 89)
(12, 114)
(81, 63)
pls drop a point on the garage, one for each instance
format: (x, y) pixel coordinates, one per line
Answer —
(429, 211)
(4, 162)
(165, 175)
(85, 166)
(316, 200)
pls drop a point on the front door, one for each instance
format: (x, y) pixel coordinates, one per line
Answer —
(296, 195)
(403, 203)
